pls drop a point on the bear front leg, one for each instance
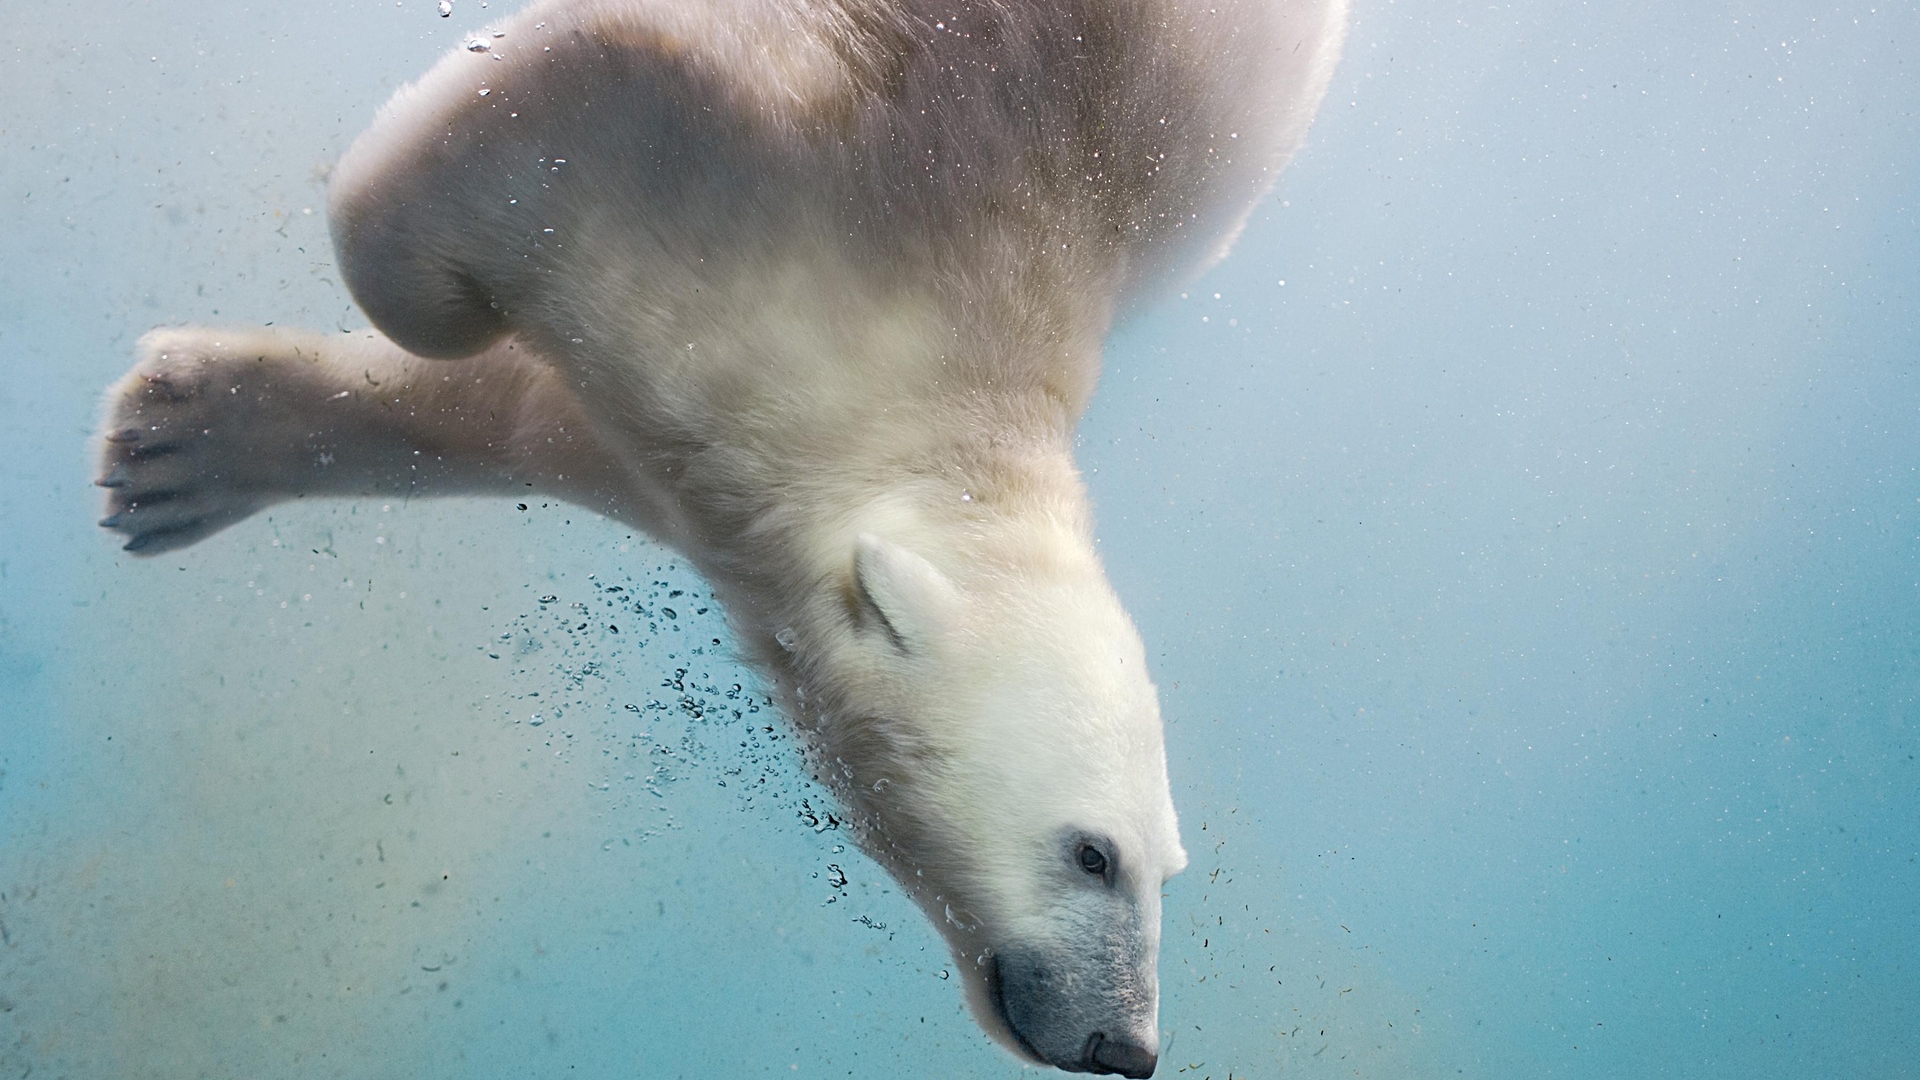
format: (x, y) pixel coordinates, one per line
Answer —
(211, 425)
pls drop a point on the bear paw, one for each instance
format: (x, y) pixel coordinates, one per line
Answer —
(203, 431)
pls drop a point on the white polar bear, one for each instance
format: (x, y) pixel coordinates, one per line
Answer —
(812, 291)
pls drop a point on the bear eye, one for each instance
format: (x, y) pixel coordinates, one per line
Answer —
(1093, 860)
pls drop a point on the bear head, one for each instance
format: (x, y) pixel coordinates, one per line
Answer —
(992, 728)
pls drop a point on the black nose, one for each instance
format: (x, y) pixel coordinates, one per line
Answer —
(1104, 1055)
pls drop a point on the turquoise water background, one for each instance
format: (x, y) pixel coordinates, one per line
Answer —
(1524, 524)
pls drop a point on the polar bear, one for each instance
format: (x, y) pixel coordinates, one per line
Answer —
(812, 291)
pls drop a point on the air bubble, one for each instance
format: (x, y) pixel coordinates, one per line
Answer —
(786, 637)
(478, 45)
(446, 9)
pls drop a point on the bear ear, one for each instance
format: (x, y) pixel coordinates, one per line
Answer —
(909, 599)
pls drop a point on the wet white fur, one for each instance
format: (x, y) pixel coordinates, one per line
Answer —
(823, 319)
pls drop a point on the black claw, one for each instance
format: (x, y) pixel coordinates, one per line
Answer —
(149, 451)
(155, 498)
(164, 539)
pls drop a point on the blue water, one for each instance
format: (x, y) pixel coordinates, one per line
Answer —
(1525, 525)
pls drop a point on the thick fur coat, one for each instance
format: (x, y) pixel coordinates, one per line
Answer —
(813, 292)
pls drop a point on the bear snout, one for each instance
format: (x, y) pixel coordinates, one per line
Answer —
(1075, 1015)
(1130, 1059)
